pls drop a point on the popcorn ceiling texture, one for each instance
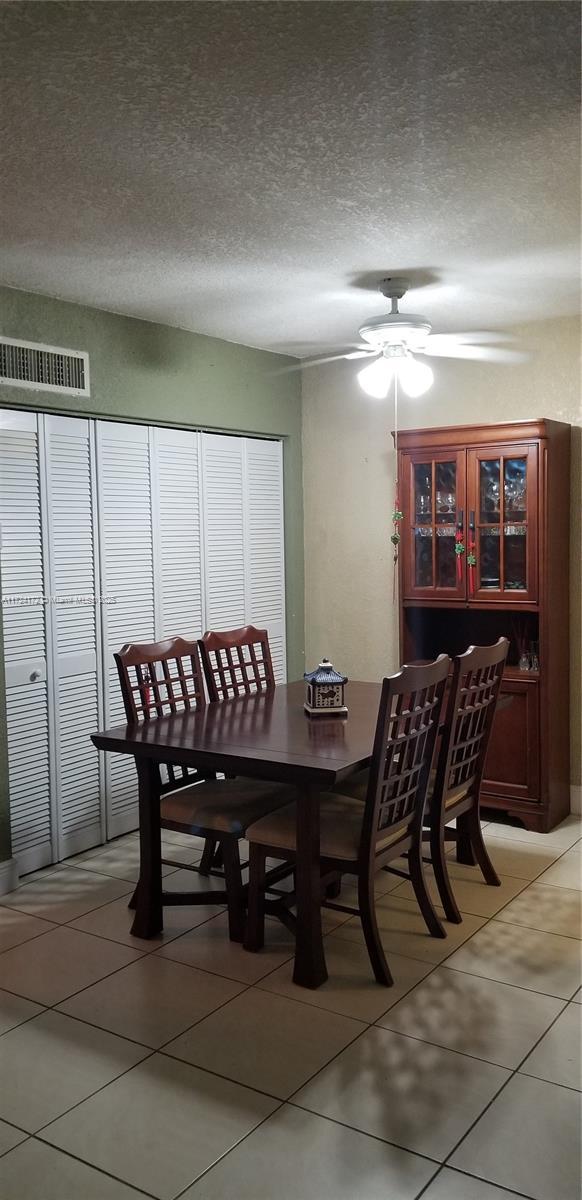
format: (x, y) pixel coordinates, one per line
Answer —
(239, 169)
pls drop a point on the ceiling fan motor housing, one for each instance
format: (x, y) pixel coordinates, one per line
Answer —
(396, 329)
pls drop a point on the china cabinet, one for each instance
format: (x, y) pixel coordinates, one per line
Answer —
(484, 553)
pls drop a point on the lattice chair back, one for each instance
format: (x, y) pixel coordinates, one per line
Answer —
(237, 662)
(159, 679)
(477, 676)
(406, 730)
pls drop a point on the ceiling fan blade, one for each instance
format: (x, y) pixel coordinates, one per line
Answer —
(476, 337)
(499, 354)
(302, 363)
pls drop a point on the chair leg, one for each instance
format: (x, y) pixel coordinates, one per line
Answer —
(218, 858)
(439, 866)
(255, 928)
(234, 890)
(465, 854)
(208, 853)
(367, 907)
(418, 881)
(132, 903)
(479, 848)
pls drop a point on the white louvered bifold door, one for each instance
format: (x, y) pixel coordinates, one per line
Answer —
(265, 545)
(223, 504)
(25, 654)
(127, 581)
(177, 533)
(74, 589)
(244, 537)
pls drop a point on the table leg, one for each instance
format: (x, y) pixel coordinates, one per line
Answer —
(148, 920)
(310, 969)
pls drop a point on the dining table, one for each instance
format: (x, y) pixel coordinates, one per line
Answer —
(267, 735)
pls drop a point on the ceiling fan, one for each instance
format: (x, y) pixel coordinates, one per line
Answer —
(394, 340)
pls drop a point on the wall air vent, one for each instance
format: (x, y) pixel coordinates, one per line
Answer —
(43, 368)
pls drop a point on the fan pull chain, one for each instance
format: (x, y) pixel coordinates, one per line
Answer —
(397, 512)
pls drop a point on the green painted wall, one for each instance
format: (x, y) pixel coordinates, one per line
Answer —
(152, 373)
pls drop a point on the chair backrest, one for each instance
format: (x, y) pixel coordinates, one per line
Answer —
(477, 676)
(159, 679)
(406, 730)
(236, 663)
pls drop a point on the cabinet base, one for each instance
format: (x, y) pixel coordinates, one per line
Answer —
(530, 816)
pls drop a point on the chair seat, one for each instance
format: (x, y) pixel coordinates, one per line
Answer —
(355, 785)
(222, 806)
(453, 797)
(340, 828)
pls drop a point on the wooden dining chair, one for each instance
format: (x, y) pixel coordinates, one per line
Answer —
(455, 784)
(162, 679)
(237, 662)
(359, 839)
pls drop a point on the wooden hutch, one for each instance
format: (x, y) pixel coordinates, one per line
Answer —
(500, 495)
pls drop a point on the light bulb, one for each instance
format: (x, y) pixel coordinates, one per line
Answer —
(375, 380)
(416, 377)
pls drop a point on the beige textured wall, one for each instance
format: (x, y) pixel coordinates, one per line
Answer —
(348, 468)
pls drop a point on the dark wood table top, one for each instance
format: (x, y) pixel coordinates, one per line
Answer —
(267, 735)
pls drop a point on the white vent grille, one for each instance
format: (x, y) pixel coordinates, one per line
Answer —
(43, 368)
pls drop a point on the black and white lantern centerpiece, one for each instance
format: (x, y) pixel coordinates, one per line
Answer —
(325, 691)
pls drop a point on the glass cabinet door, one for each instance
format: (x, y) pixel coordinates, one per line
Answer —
(433, 491)
(502, 525)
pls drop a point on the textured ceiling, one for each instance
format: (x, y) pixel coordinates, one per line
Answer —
(249, 170)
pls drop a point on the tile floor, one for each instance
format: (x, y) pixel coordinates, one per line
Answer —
(184, 1067)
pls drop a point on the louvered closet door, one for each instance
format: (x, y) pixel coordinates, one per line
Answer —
(127, 581)
(223, 500)
(177, 533)
(73, 586)
(265, 546)
(25, 640)
(243, 537)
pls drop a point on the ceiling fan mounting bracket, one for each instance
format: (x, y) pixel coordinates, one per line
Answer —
(394, 287)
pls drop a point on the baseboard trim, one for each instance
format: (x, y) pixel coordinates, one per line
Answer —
(576, 798)
(8, 876)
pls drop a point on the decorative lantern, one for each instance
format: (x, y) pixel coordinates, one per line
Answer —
(325, 691)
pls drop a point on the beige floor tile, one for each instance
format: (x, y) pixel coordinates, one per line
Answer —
(403, 930)
(61, 962)
(558, 1057)
(161, 1125)
(351, 988)
(472, 894)
(17, 927)
(66, 894)
(114, 921)
(566, 871)
(578, 997)
(452, 1185)
(520, 860)
(528, 958)
(36, 1171)
(9, 1137)
(151, 1000)
(555, 910)
(528, 1140)
(209, 948)
(119, 861)
(475, 1016)
(407, 1092)
(53, 1063)
(266, 1041)
(563, 836)
(296, 1155)
(14, 1010)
